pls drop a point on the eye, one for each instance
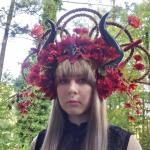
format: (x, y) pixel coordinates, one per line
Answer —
(82, 81)
(63, 81)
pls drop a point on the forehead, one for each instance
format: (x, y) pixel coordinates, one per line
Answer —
(72, 77)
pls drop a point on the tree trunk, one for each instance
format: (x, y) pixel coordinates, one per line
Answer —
(5, 37)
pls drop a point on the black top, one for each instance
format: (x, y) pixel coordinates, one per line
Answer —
(117, 138)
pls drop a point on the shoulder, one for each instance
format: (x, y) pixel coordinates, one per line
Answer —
(133, 144)
(38, 140)
(33, 143)
(118, 137)
(118, 131)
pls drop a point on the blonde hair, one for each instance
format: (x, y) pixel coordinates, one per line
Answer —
(96, 137)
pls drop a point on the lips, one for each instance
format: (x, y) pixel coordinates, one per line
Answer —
(73, 102)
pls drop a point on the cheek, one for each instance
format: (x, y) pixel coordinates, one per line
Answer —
(60, 91)
(86, 94)
(61, 95)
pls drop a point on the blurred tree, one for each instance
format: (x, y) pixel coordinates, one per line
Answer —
(5, 37)
(16, 7)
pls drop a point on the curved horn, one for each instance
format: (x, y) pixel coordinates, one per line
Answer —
(52, 35)
(110, 40)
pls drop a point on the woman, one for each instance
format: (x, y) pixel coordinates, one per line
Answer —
(76, 72)
(78, 120)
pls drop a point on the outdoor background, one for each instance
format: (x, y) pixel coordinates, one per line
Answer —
(22, 111)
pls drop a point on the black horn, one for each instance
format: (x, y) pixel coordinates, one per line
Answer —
(52, 35)
(110, 40)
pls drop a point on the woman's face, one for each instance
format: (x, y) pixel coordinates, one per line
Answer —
(74, 94)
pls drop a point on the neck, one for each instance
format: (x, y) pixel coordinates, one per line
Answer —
(78, 119)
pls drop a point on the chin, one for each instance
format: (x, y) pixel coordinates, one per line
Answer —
(74, 112)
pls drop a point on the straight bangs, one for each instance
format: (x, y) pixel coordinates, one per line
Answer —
(80, 68)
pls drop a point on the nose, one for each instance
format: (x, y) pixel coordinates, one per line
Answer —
(73, 87)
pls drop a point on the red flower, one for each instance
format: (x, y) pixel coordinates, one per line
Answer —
(33, 76)
(131, 118)
(127, 105)
(132, 87)
(109, 83)
(22, 106)
(135, 97)
(137, 57)
(138, 103)
(37, 31)
(104, 88)
(134, 21)
(138, 112)
(138, 66)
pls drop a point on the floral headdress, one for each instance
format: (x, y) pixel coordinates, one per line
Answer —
(110, 57)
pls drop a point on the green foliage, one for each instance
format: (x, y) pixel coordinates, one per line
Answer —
(29, 125)
(18, 130)
(143, 12)
(144, 139)
(8, 140)
(118, 115)
(50, 8)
